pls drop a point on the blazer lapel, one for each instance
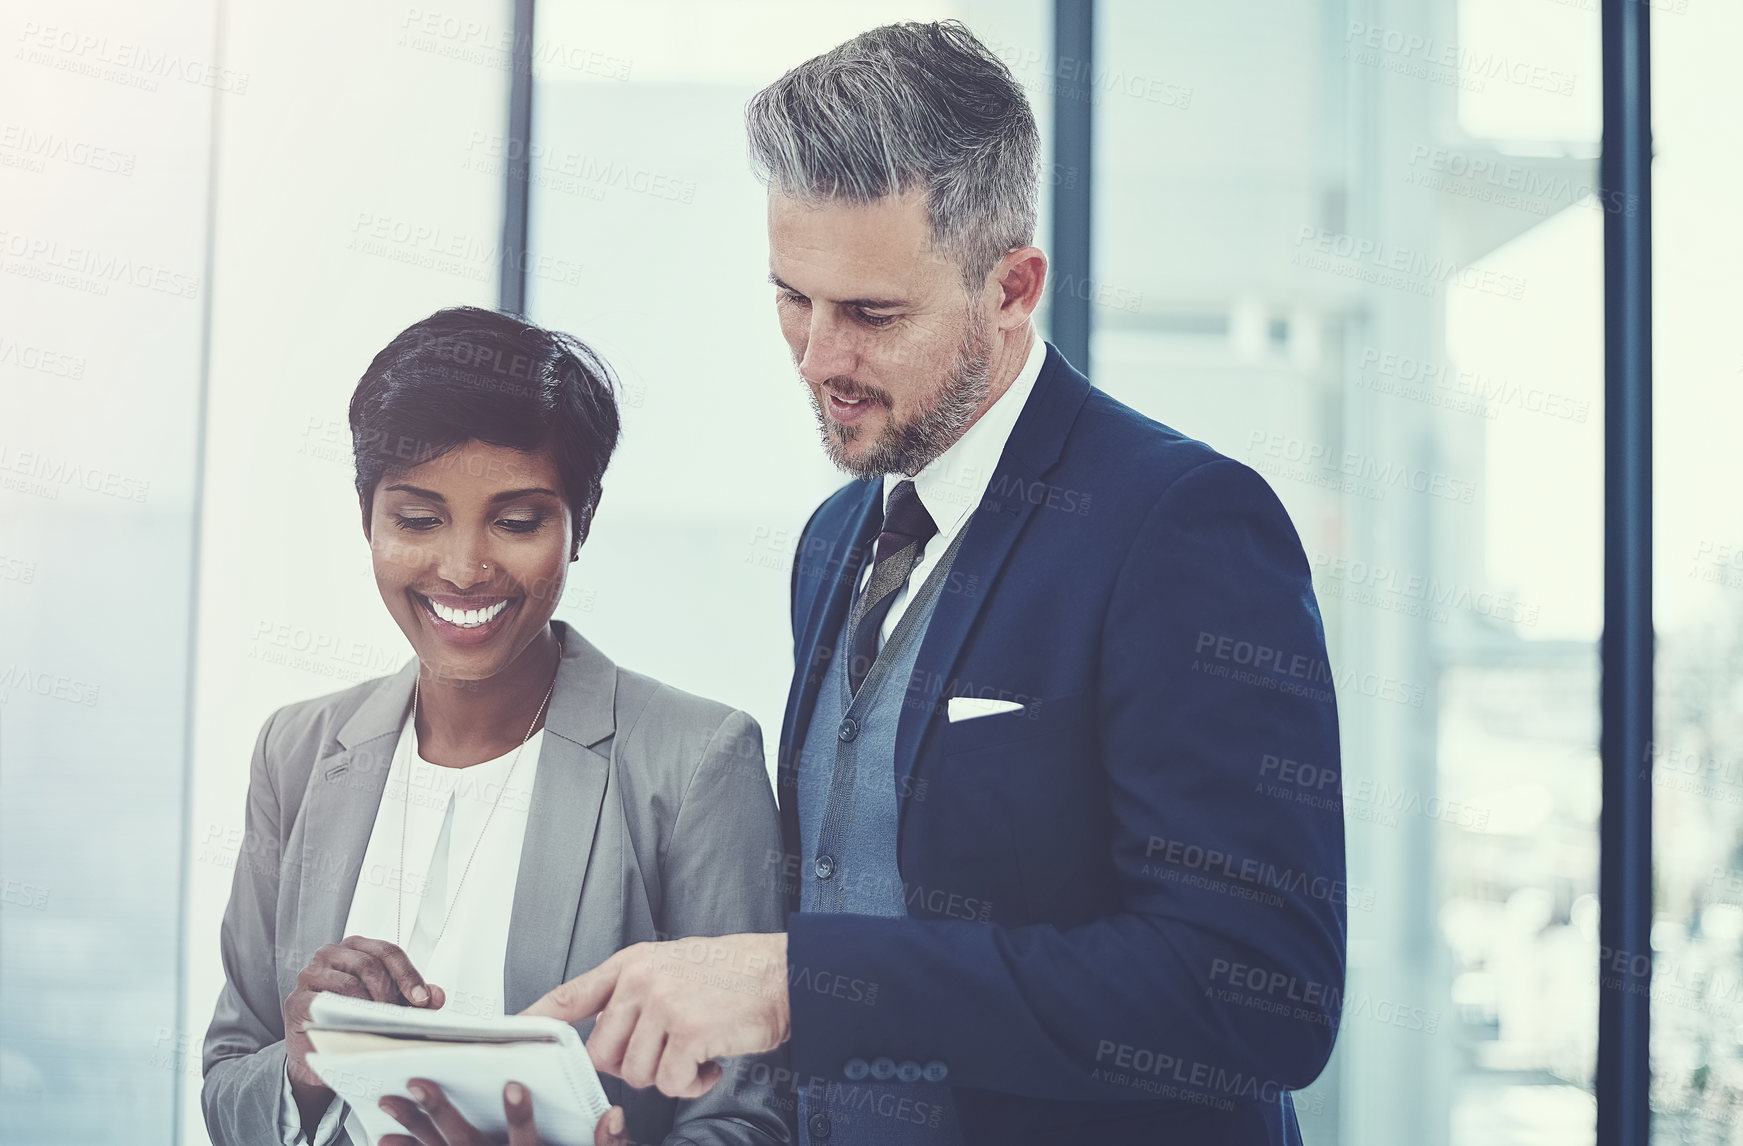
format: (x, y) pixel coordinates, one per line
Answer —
(1036, 441)
(827, 614)
(566, 800)
(338, 813)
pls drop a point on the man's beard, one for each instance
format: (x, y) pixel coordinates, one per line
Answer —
(907, 448)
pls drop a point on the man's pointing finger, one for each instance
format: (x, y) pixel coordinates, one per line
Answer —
(581, 997)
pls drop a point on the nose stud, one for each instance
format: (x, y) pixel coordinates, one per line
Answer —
(486, 566)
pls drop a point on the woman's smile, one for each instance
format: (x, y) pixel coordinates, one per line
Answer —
(469, 620)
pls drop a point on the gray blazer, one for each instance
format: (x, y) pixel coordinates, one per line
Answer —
(651, 817)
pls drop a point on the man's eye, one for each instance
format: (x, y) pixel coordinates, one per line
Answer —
(795, 299)
(876, 319)
(416, 524)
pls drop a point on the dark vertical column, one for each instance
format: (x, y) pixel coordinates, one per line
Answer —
(1073, 119)
(512, 288)
(1625, 827)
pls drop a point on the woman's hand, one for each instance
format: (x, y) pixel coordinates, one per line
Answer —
(433, 1121)
(358, 967)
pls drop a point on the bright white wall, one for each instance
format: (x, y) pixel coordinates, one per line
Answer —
(342, 185)
(103, 134)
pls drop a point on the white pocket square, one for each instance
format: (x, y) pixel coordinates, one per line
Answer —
(969, 707)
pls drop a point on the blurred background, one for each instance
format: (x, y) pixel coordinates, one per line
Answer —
(1356, 244)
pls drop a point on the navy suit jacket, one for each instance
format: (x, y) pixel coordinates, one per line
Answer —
(1126, 913)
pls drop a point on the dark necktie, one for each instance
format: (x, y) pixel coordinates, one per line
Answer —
(907, 527)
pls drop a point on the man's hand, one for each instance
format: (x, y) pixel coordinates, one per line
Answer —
(359, 967)
(667, 1010)
(433, 1120)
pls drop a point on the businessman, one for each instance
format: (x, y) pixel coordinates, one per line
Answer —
(1052, 660)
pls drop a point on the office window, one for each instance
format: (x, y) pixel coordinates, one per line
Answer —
(1697, 756)
(648, 241)
(100, 329)
(1358, 247)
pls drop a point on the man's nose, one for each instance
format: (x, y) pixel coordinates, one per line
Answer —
(829, 351)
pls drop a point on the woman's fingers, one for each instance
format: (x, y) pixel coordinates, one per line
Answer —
(406, 1113)
(363, 967)
(456, 1131)
(397, 965)
(517, 1104)
(609, 1131)
(318, 977)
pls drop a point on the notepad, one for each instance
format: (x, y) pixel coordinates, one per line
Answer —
(365, 1050)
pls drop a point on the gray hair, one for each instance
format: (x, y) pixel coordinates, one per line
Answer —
(903, 106)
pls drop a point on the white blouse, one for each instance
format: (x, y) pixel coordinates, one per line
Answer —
(456, 871)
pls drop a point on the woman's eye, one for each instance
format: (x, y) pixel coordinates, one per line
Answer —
(521, 524)
(416, 524)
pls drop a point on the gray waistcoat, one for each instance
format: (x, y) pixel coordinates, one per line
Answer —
(848, 807)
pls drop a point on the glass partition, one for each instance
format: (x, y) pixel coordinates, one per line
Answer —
(1696, 960)
(1360, 250)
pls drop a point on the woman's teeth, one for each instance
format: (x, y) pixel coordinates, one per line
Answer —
(466, 618)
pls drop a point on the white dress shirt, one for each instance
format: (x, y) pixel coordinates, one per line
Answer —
(954, 483)
(444, 823)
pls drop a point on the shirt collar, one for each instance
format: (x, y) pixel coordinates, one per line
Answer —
(956, 480)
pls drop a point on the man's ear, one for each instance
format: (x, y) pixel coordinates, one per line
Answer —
(1019, 278)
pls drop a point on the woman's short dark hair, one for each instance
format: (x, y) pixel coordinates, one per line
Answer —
(468, 374)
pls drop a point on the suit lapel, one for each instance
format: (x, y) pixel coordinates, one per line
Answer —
(567, 795)
(1036, 441)
(339, 812)
(827, 614)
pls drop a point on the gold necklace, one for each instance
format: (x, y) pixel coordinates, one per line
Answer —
(405, 814)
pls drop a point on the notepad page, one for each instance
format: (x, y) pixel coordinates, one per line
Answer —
(341, 1012)
(567, 1098)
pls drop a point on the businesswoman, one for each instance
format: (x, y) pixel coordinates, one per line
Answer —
(510, 808)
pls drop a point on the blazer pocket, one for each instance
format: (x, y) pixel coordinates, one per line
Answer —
(1041, 717)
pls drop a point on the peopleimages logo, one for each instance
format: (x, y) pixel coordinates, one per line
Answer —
(88, 268)
(22, 678)
(1387, 264)
(1377, 368)
(1430, 591)
(1255, 663)
(1375, 474)
(1417, 54)
(137, 65)
(40, 146)
(1198, 1081)
(1214, 863)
